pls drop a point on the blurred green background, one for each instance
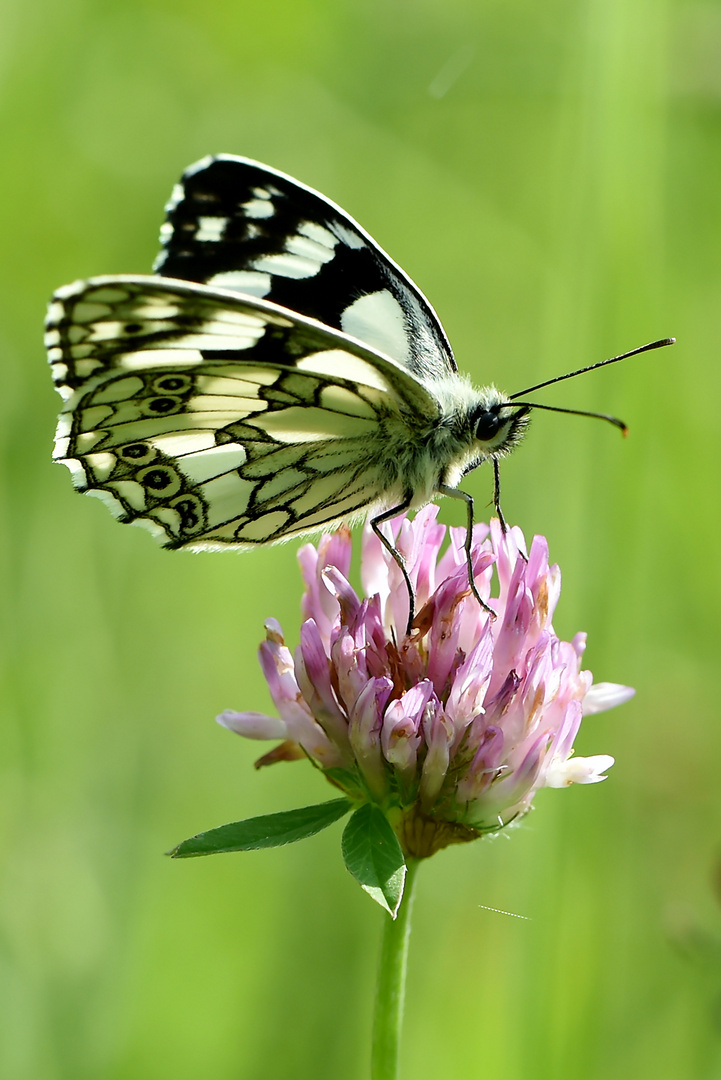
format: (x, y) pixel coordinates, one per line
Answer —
(549, 175)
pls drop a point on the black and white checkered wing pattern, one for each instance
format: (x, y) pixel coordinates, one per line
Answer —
(217, 420)
(235, 224)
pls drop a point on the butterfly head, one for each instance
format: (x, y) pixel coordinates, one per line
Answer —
(498, 424)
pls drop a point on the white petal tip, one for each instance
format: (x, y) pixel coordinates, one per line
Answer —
(604, 696)
(579, 770)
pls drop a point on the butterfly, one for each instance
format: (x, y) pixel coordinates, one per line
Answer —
(278, 374)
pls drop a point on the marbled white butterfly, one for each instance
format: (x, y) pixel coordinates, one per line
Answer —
(279, 375)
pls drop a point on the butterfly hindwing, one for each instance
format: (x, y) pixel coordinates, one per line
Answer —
(235, 224)
(215, 419)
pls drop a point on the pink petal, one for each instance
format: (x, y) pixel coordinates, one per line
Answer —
(344, 593)
(312, 670)
(318, 602)
(253, 725)
(364, 732)
(439, 734)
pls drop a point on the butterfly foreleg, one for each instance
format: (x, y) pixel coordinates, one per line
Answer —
(395, 554)
(497, 501)
(456, 493)
(497, 494)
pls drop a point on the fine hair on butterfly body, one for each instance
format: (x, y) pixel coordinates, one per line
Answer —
(278, 375)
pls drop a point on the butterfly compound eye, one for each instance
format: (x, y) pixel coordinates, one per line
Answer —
(488, 425)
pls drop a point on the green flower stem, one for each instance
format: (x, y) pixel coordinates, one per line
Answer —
(391, 991)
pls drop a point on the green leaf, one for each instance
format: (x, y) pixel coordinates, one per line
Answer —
(346, 780)
(374, 857)
(271, 830)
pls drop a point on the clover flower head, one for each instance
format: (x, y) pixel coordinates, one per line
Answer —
(450, 729)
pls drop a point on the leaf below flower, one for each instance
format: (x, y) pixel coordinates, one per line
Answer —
(271, 830)
(374, 857)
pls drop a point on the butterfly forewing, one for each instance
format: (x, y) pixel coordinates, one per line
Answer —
(215, 419)
(235, 224)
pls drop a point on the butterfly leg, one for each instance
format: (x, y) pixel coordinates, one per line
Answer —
(456, 493)
(497, 494)
(395, 554)
(497, 501)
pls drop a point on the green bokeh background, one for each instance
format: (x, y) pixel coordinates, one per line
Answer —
(549, 174)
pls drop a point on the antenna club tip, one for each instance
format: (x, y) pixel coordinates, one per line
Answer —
(624, 431)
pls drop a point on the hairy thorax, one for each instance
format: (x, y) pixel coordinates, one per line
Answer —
(421, 454)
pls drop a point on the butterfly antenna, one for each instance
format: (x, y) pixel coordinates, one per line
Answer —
(592, 367)
(576, 412)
